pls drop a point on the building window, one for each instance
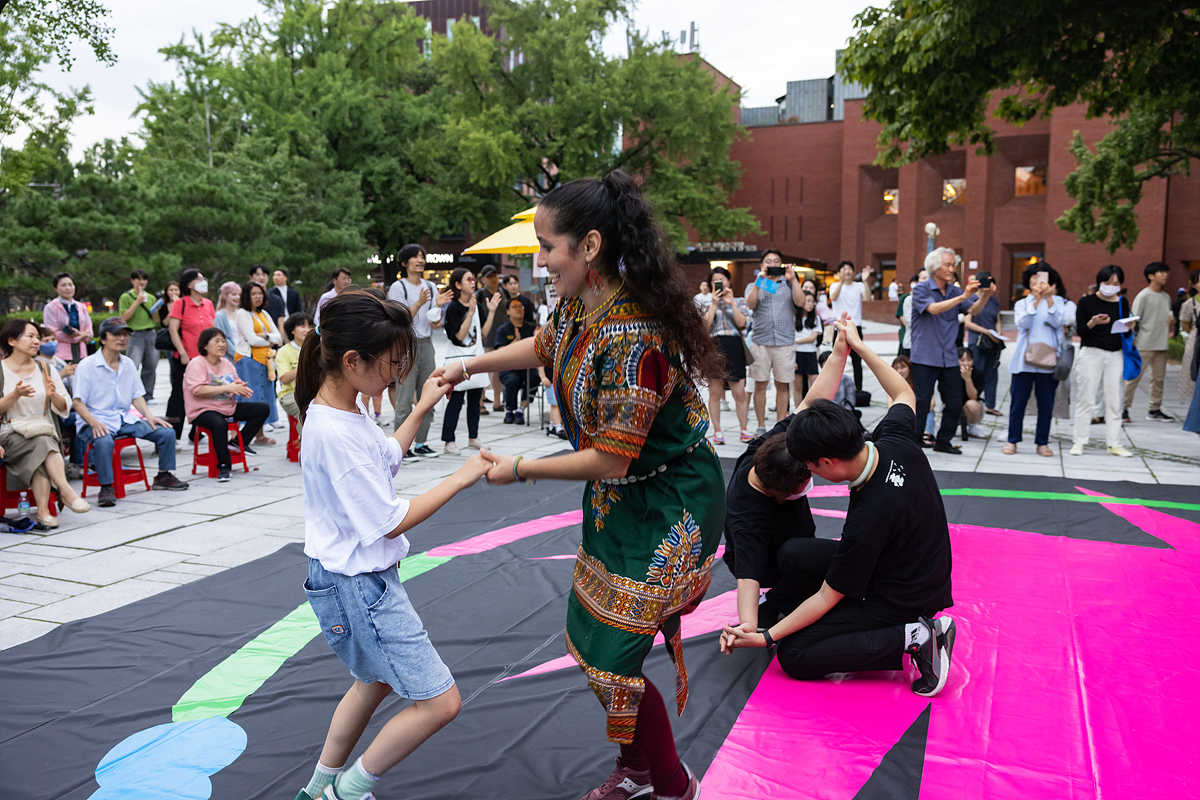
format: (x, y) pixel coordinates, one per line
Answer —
(1029, 181)
(954, 192)
(891, 201)
(799, 228)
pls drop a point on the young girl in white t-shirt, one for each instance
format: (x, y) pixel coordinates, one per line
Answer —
(354, 527)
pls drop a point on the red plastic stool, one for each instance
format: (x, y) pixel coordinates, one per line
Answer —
(122, 476)
(293, 443)
(13, 499)
(208, 458)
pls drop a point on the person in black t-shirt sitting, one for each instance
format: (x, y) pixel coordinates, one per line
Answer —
(516, 381)
(890, 573)
(769, 530)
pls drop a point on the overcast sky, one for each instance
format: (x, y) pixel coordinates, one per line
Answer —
(760, 44)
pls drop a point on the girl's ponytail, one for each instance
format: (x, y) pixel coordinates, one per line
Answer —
(309, 373)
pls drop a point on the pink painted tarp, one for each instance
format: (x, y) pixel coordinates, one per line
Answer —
(1073, 677)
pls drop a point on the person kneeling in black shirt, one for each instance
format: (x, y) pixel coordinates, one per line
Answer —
(890, 573)
(769, 530)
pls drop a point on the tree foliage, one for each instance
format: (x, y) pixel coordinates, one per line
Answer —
(317, 133)
(933, 66)
(543, 104)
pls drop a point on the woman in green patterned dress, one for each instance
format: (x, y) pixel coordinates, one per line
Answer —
(625, 343)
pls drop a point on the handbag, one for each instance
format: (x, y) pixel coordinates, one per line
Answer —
(1066, 360)
(43, 425)
(1133, 359)
(478, 380)
(162, 340)
(1038, 354)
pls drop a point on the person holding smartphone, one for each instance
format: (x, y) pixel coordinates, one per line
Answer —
(773, 298)
(140, 311)
(726, 316)
(69, 319)
(1100, 362)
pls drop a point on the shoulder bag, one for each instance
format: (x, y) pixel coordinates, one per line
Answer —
(1041, 355)
(747, 353)
(1133, 359)
(478, 380)
(43, 425)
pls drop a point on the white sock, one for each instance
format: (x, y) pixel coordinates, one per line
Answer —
(355, 781)
(915, 634)
(322, 777)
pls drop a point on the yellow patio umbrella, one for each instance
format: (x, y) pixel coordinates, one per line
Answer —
(527, 214)
(516, 239)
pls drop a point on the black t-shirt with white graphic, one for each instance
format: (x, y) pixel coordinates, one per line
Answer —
(895, 543)
(756, 525)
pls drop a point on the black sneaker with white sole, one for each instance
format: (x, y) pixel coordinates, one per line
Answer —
(929, 659)
(1158, 415)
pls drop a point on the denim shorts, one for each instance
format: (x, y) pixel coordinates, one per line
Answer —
(374, 629)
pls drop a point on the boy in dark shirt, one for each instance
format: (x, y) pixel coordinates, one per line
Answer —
(891, 571)
(769, 530)
(517, 326)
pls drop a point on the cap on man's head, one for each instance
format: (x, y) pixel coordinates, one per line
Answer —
(487, 270)
(112, 325)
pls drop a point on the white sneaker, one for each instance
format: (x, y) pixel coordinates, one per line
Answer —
(1117, 450)
(1077, 449)
(450, 449)
(978, 431)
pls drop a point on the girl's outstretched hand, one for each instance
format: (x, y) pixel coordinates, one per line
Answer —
(476, 467)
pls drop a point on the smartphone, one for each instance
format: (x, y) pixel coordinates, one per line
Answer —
(718, 287)
(775, 272)
(1042, 276)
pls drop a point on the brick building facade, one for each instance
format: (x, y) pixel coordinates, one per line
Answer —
(807, 174)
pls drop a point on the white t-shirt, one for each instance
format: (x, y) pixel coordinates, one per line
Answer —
(349, 504)
(806, 330)
(850, 299)
(893, 291)
(404, 292)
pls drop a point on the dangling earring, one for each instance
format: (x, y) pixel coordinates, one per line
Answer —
(593, 279)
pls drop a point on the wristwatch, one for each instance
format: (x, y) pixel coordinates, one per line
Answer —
(766, 634)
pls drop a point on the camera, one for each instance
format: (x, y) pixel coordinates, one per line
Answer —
(985, 280)
(775, 272)
(718, 287)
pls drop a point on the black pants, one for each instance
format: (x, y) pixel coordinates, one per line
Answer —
(517, 382)
(175, 401)
(856, 635)
(950, 384)
(253, 414)
(455, 404)
(855, 360)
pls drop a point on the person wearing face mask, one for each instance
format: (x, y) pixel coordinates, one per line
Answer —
(189, 316)
(1100, 362)
(890, 572)
(769, 529)
(69, 319)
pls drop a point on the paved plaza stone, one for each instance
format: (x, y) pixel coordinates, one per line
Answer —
(151, 542)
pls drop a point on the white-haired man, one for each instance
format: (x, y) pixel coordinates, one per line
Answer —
(936, 304)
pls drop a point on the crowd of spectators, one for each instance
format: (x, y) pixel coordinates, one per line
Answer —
(72, 389)
(1093, 384)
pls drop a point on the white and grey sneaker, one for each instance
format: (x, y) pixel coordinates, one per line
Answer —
(623, 784)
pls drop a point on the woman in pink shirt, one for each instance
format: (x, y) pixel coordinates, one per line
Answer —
(190, 314)
(211, 387)
(69, 319)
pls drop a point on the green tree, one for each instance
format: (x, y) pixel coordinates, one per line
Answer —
(932, 67)
(544, 104)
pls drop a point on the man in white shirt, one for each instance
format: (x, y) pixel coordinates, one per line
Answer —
(420, 297)
(106, 386)
(846, 297)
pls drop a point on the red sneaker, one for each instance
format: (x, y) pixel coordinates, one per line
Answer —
(623, 784)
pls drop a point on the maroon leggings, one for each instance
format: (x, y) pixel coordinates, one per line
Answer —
(653, 746)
